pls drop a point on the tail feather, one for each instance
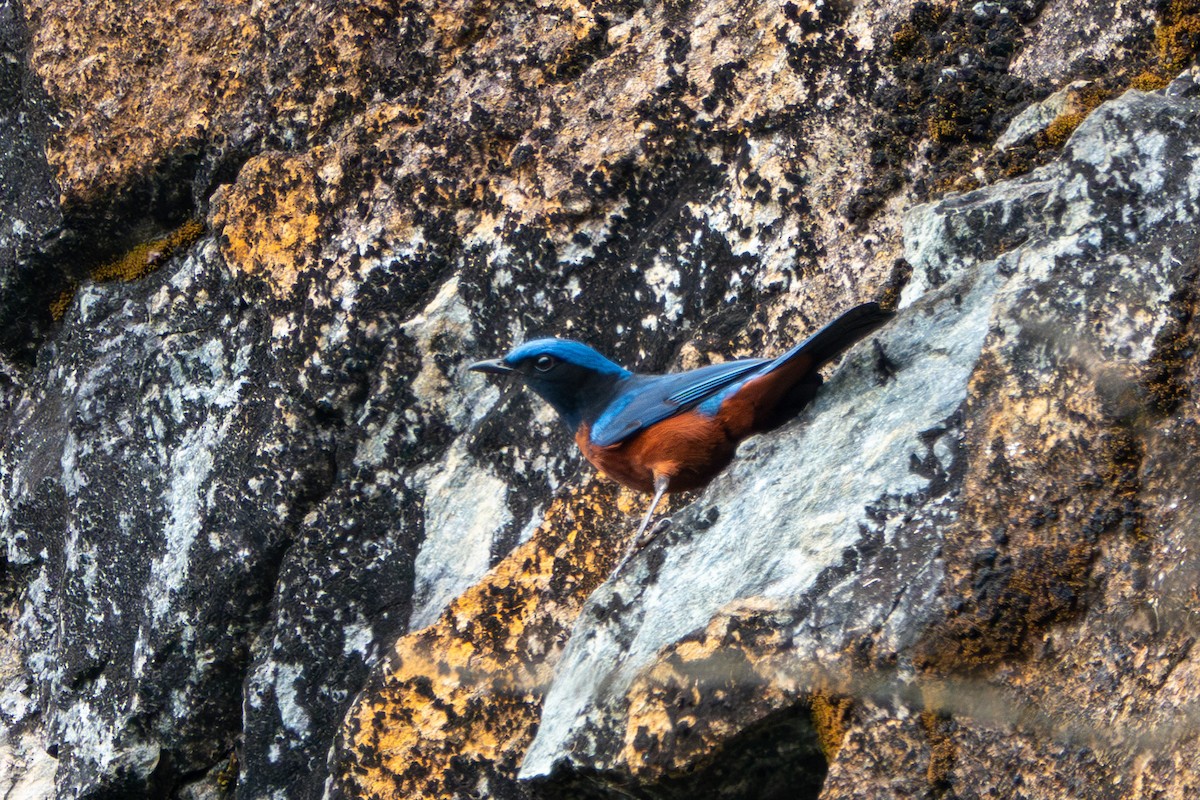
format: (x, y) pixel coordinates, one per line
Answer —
(840, 335)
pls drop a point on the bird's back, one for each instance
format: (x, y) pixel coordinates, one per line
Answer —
(642, 401)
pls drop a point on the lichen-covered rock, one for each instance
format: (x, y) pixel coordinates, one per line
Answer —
(250, 498)
(976, 520)
(456, 704)
(30, 217)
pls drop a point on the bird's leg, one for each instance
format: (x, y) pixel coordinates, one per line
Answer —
(638, 542)
(660, 488)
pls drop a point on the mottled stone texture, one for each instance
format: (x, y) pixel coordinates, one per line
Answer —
(1007, 604)
(30, 217)
(265, 537)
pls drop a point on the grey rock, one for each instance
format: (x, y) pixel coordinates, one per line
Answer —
(1067, 35)
(178, 528)
(1038, 116)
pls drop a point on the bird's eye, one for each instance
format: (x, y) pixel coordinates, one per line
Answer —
(544, 364)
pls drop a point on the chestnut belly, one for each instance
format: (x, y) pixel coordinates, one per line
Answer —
(690, 448)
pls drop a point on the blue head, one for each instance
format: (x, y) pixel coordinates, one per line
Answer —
(569, 375)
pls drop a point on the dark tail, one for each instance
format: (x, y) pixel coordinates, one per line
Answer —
(839, 335)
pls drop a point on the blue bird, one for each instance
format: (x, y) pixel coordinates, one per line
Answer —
(668, 433)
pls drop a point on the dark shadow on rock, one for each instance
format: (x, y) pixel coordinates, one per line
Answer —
(778, 758)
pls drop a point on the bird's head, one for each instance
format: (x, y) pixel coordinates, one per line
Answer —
(568, 375)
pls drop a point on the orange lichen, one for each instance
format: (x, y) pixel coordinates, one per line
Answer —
(269, 220)
(941, 128)
(148, 256)
(459, 701)
(942, 751)
(1177, 38)
(733, 679)
(1176, 44)
(58, 308)
(831, 719)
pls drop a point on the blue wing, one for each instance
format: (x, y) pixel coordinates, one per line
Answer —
(643, 400)
(646, 399)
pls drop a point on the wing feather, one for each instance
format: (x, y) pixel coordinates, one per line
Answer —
(648, 399)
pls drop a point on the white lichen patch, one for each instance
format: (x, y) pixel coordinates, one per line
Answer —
(357, 639)
(465, 510)
(291, 711)
(191, 466)
(93, 731)
(663, 279)
(447, 319)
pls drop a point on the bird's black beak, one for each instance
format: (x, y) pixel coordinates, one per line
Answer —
(494, 366)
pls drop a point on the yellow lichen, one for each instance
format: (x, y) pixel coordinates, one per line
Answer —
(1176, 44)
(942, 129)
(1083, 104)
(830, 718)
(148, 256)
(1149, 82)
(138, 262)
(1177, 38)
(905, 38)
(227, 777)
(465, 692)
(942, 751)
(59, 307)
(1062, 126)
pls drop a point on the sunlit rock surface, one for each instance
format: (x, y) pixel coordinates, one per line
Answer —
(265, 536)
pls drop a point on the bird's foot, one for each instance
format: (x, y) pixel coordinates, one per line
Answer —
(641, 540)
(654, 530)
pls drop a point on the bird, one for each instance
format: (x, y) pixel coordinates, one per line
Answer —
(675, 432)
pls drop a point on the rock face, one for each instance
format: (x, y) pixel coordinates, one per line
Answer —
(265, 537)
(958, 531)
